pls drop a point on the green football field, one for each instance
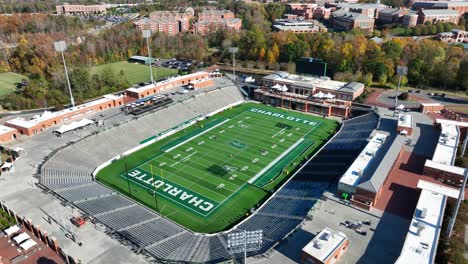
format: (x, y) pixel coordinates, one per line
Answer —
(208, 176)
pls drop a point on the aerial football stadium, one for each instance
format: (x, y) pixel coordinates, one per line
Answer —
(178, 181)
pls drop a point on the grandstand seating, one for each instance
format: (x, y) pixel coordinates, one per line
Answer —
(68, 173)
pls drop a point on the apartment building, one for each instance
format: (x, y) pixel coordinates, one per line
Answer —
(67, 9)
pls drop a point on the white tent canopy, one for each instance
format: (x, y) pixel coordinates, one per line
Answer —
(7, 165)
(28, 244)
(74, 125)
(401, 107)
(11, 230)
(21, 237)
(330, 96)
(284, 88)
(276, 86)
(319, 95)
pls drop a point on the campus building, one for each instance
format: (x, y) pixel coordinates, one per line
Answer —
(168, 22)
(213, 20)
(391, 15)
(7, 134)
(39, 123)
(363, 181)
(438, 15)
(460, 6)
(328, 246)
(410, 20)
(197, 80)
(454, 36)
(344, 20)
(319, 95)
(441, 167)
(369, 10)
(298, 26)
(405, 124)
(305, 10)
(431, 107)
(67, 9)
(426, 225)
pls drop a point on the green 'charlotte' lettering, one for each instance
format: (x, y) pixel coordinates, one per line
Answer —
(287, 117)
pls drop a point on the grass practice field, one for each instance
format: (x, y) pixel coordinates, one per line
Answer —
(208, 176)
(8, 82)
(135, 72)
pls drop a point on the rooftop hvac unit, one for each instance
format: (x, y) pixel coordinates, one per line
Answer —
(325, 236)
(317, 245)
(423, 212)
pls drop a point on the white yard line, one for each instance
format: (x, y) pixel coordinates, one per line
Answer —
(275, 161)
(199, 134)
(184, 159)
(278, 133)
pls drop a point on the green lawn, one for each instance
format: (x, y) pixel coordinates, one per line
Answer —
(8, 82)
(136, 73)
(208, 176)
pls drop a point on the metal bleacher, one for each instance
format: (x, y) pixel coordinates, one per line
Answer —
(68, 174)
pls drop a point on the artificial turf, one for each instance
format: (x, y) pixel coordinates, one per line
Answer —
(208, 176)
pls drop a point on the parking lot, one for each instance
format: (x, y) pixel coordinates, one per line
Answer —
(382, 243)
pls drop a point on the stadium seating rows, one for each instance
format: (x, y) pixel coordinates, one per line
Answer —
(68, 173)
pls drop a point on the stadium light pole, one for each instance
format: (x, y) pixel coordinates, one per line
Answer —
(401, 70)
(61, 46)
(233, 50)
(126, 174)
(245, 241)
(147, 35)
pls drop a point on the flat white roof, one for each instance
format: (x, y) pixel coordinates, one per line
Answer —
(310, 81)
(423, 234)
(5, 129)
(438, 188)
(46, 115)
(28, 123)
(431, 104)
(446, 150)
(405, 120)
(325, 243)
(444, 167)
(451, 122)
(168, 81)
(356, 170)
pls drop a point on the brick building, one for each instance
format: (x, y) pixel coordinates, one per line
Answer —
(363, 181)
(410, 20)
(197, 79)
(168, 22)
(7, 134)
(344, 20)
(391, 15)
(441, 167)
(39, 123)
(327, 247)
(438, 15)
(460, 6)
(67, 9)
(47, 119)
(308, 94)
(212, 20)
(367, 9)
(305, 10)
